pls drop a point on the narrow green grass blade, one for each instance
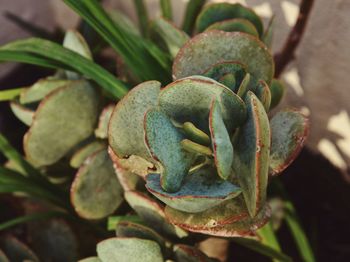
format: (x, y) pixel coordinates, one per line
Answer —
(192, 10)
(269, 238)
(298, 234)
(10, 94)
(115, 220)
(142, 15)
(262, 249)
(55, 53)
(29, 218)
(167, 11)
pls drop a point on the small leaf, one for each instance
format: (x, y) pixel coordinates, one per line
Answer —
(220, 46)
(152, 213)
(84, 152)
(222, 11)
(129, 250)
(41, 89)
(102, 128)
(22, 113)
(163, 140)
(166, 9)
(10, 94)
(95, 191)
(15, 250)
(221, 141)
(125, 129)
(55, 132)
(169, 35)
(74, 41)
(268, 34)
(263, 93)
(235, 25)
(195, 134)
(195, 148)
(243, 88)
(289, 129)
(251, 156)
(189, 99)
(113, 221)
(186, 253)
(200, 191)
(277, 89)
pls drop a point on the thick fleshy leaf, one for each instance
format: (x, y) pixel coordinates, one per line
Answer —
(289, 130)
(22, 113)
(90, 259)
(243, 87)
(83, 153)
(277, 91)
(262, 91)
(125, 129)
(200, 191)
(229, 219)
(186, 253)
(53, 240)
(169, 35)
(96, 192)
(152, 213)
(189, 99)
(267, 37)
(41, 89)
(102, 128)
(163, 140)
(222, 69)
(55, 132)
(3, 257)
(129, 229)
(15, 250)
(129, 250)
(251, 155)
(195, 134)
(221, 141)
(193, 147)
(220, 46)
(235, 25)
(222, 11)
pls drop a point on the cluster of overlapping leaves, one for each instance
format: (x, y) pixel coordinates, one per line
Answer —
(203, 145)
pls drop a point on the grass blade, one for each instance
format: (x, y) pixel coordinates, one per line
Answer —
(262, 249)
(10, 94)
(268, 237)
(37, 50)
(167, 11)
(29, 218)
(142, 15)
(192, 10)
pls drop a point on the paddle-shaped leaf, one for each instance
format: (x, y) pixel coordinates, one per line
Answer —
(95, 191)
(176, 102)
(277, 91)
(102, 128)
(200, 191)
(235, 25)
(222, 11)
(22, 113)
(152, 213)
(125, 129)
(220, 46)
(289, 130)
(55, 132)
(84, 152)
(221, 141)
(164, 142)
(251, 156)
(262, 91)
(129, 250)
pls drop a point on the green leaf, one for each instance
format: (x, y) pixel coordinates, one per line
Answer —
(10, 94)
(277, 88)
(24, 114)
(185, 253)
(263, 93)
(289, 129)
(45, 53)
(102, 129)
(243, 88)
(113, 221)
(74, 41)
(142, 15)
(220, 46)
(268, 237)
(223, 11)
(40, 89)
(29, 218)
(90, 259)
(192, 10)
(168, 35)
(221, 141)
(70, 125)
(123, 21)
(166, 9)
(195, 134)
(152, 213)
(189, 99)
(125, 130)
(129, 250)
(163, 141)
(267, 37)
(251, 155)
(95, 191)
(84, 152)
(235, 25)
(200, 191)
(262, 249)
(193, 147)
(15, 250)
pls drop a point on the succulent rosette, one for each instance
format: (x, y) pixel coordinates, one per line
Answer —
(204, 143)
